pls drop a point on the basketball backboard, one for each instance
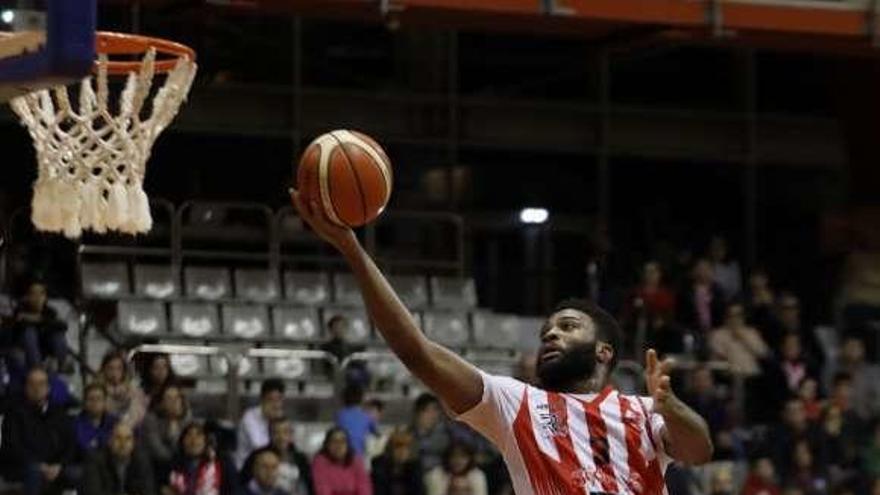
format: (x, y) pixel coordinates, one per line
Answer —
(44, 43)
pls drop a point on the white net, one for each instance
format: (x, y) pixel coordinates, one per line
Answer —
(91, 163)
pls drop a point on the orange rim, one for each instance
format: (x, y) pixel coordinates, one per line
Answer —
(134, 44)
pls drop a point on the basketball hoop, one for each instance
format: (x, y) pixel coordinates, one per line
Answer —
(91, 163)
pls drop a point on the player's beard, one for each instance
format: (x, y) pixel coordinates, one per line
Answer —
(576, 363)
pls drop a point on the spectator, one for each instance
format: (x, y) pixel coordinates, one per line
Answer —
(805, 472)
(648, 315)
(336, 470)
(38, 440)
(703, 396)
(124, 398)
(701, 305)
(156, 374)
(459, 485)
(37, 331)
(871, 454)
(793, 429)
(430, 431)
(650, 297)
(93, 425)
(789, 320)
(265, 479)
(740, 345)
(375, 443)
(161, 428)
(793, 367)
(808, 393)
(294, 472)
(339, 346)
(762, 478)
(354, 419)
(458, 462)
(721, 479)
(253, 432)
(760, 307)
(118, 468)
(197, 467)
(865, 377)
(397, 471)
(843, 431)
(726, 272)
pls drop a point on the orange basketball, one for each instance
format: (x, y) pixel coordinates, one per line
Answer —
(348, 175)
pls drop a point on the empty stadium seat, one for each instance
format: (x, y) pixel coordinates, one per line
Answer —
(246, 321)
(189, 366)
(204, 282)
(142, 318)
(412, 289)
(447, 327)
(248, 367)
(453, 292)
(308, 288)
(155, 281)
(194, 320)
(105, 280)
(255, 284)
(346, 291)
(359, 328)
(497, 330)
(296, 323)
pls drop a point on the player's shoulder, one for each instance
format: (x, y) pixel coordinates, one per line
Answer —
(645, 402)
(503, 382)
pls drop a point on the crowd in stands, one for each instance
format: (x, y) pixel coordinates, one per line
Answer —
(788, 415)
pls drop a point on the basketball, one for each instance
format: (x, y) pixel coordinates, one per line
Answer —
(348, 175)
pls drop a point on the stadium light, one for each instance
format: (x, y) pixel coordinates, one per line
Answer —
(7, 16)
(534, 215)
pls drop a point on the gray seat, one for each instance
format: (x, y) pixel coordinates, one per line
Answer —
(142, 318)
(189, 366)
(359, 328)
(296, 323)
(105, 280)
(209, 283)
(255, 284)
(412, 289)
(155, 281)
(497, 330)
(447, 327)
(307, 288)
(246, 321)
(346, 291)
(248, 367)
(453, 292)
(195, 320)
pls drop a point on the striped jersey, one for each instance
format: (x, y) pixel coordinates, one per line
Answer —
(565, 444)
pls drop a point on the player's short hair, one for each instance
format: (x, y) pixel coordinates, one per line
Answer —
(607, 328)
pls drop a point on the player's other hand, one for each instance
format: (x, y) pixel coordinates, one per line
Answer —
(657, 380)
(309, 210)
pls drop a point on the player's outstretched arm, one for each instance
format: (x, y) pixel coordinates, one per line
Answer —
(454, 380)
(686, 434)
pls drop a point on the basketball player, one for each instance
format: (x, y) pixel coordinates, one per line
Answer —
(571, 434)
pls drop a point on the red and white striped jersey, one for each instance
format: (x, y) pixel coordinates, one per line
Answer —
(565, 444)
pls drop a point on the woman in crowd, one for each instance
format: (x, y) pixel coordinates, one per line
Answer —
(197, 469)
(336, 470)
(93, 425)
(156, 374)
(124, 398)
(161, 429)
(397, 471)
(458, 463)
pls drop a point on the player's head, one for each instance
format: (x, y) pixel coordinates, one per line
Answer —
(576, 340)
